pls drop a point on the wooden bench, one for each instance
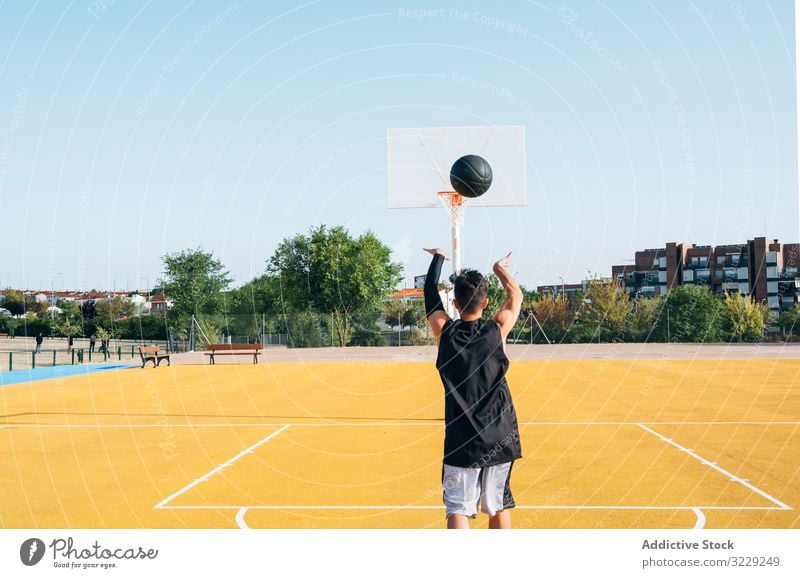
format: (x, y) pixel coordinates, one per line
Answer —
(153, 354)
(233, 349)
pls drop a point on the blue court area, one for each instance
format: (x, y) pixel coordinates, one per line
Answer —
(26, 375)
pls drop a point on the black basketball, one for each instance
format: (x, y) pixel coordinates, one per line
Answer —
(471, 176)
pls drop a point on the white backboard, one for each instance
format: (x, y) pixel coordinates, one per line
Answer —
(419, 161)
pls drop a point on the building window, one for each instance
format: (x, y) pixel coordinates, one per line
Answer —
(730, 275)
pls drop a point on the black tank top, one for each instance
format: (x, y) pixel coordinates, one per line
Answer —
(480, 421)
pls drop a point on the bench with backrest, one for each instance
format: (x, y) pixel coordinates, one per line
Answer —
(233, 349)
(153, 354)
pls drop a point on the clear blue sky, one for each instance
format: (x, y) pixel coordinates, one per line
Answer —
(132, 129)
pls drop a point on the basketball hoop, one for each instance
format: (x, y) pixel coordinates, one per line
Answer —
(417, 166)
(454, 202)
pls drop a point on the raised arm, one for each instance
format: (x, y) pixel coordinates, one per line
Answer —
(508, 313)
(434, 310)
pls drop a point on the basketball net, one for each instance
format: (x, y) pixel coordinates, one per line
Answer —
(454, 202)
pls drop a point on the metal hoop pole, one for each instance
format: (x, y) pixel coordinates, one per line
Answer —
(455, 232)
(454, 203)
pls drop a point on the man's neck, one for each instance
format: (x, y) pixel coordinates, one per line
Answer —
(471, 316)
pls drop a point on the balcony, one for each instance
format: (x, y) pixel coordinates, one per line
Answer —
(732, 261)
(700, 264)
(702, 276)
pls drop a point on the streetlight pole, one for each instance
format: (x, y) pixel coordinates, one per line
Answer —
(562, 286)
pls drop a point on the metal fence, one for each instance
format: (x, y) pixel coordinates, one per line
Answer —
(14, 360)
(22, 352)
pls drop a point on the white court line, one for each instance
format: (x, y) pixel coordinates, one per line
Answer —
(240, 519)
(701, 518)
(714, 466)
(431, 423)
(323, 507)
(219, 468)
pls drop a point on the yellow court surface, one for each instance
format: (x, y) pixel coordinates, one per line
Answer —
(608, 443)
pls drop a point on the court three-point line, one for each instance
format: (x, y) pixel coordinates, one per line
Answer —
(714, 466)
(701, 518)
(240, 519)
(220, 467)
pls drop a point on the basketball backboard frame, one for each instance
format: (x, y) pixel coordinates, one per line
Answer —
(419, 161)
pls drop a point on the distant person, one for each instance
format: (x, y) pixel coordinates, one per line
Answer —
(39, 340)
(92, 341)
(69, 344)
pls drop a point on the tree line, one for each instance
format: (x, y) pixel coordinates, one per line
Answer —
(604, 312)
(327, 287)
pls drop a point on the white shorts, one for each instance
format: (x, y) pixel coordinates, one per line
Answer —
(465, 488)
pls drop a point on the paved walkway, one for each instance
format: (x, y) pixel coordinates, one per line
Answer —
(520, 352)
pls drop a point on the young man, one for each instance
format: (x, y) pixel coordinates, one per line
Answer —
(481, 433)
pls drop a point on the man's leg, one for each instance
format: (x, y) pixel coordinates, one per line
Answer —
(457, 522)
(501, 520)
(496, 497)
(461, 495)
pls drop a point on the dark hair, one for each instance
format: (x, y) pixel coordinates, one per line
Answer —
(470, 289)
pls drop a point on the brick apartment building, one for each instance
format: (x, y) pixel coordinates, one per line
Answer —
(763, 268)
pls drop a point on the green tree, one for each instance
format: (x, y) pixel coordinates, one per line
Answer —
(393, 313)
(194, 281)
(15, 302)
(606, 308)
(414, 314)
(529, 295)
(789, 320)
(742, 318)
(252, 307)
(103, 333)
(69, 308)
(691, 314)
(261, 295)
(365, 329)
(114, 309)
(68, 327)
(555, 316)
(496, 295)
(331, 273)
(643, 318)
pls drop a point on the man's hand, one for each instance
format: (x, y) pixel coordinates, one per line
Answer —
(508, 314)
(437, 252)
(502, 264)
